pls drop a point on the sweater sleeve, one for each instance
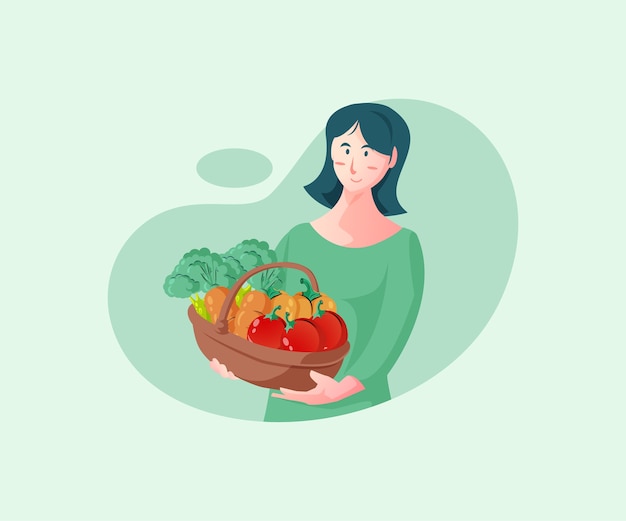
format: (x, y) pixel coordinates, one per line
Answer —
(404, 284)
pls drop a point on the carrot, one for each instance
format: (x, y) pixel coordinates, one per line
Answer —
(254, 304)
(214, 300)
(257, 301)
(242, 321)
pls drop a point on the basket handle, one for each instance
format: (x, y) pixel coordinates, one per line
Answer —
(221, 324)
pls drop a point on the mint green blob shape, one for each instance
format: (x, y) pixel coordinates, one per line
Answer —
(234, 167)
(459, 200)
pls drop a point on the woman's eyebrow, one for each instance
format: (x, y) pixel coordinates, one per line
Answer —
(344, 145)
(367, 146)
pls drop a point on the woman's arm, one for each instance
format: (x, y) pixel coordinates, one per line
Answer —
(326, 390)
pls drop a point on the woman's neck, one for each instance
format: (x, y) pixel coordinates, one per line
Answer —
(355, 221)
(355, 210)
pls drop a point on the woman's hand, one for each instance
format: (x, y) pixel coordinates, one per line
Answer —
(327, 390)
(221, 369)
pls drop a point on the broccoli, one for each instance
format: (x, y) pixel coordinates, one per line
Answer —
(200, 270)
(249, 254)
(197, 272)
(181, 286)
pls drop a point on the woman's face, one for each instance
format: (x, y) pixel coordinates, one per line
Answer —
(357, 165)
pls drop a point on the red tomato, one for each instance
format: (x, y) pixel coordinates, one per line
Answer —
(301, 335)
(267, 330)
(332, 327)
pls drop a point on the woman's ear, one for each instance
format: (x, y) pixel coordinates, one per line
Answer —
(394, 157)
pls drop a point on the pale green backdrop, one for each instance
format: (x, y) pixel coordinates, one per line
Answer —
(107, 109)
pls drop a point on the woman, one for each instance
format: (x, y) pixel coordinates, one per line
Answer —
(368, 264)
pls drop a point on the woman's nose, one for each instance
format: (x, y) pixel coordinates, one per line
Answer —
(352, 170)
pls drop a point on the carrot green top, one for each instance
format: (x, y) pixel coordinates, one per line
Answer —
(378, 291)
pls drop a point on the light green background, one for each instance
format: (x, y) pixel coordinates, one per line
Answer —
(106, 109)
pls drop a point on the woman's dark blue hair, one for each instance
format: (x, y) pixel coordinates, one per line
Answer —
(382, 129)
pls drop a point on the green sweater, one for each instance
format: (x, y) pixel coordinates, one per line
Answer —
(378, 291)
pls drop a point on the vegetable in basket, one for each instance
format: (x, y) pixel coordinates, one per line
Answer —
(331, 326)
(327, 303)
(249, 254)
(267, 330)
(254, 304)
(205, 277)
(286, 302)
(213, 302)
(309, 299)
(301, 335)
(198, 271)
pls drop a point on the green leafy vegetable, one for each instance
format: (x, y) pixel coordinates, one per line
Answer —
(197, 272)
(181, 286)
(199, 306)
(249, 254)
(200, 270)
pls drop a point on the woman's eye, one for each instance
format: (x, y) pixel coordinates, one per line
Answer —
(365, 153)
(347, 151)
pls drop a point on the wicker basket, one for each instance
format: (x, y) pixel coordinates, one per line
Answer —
(257, 364)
